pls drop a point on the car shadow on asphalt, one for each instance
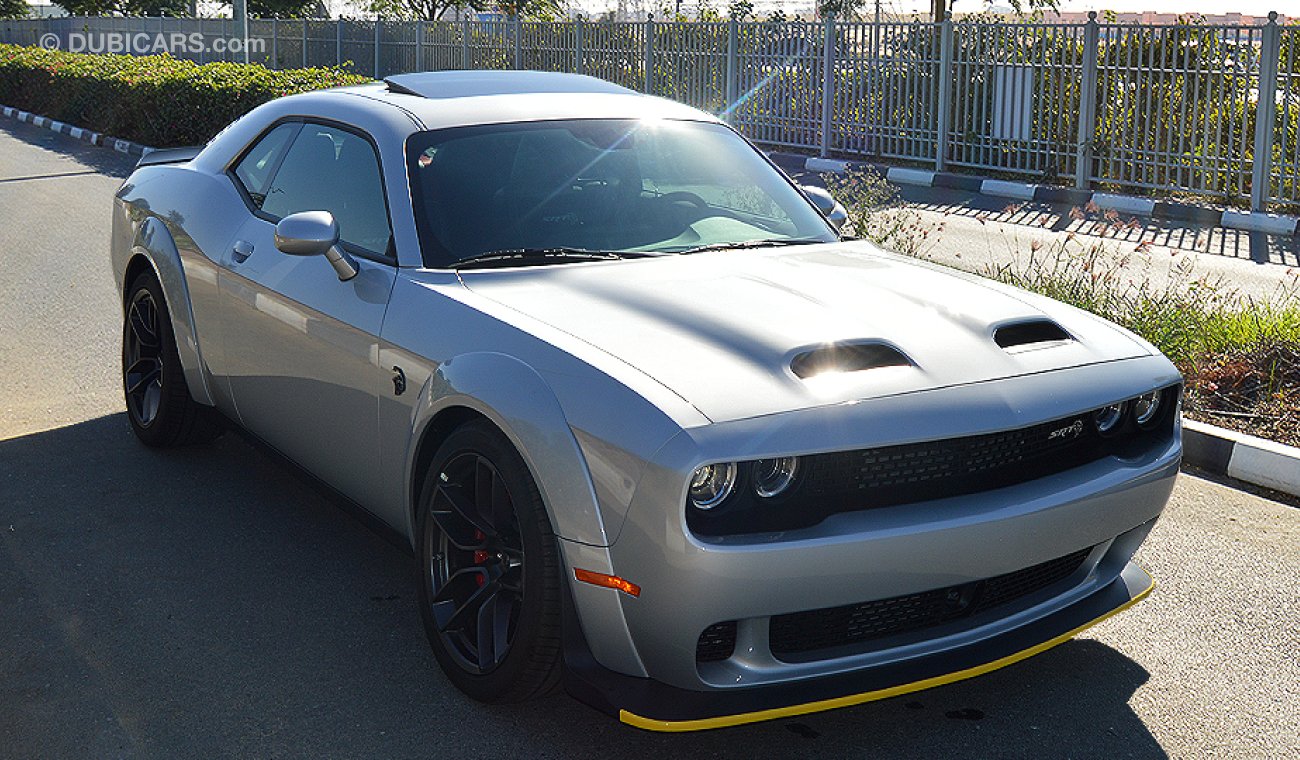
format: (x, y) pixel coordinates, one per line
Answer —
(99, 159)
(207, 601)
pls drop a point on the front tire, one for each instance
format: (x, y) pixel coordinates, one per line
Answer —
(158, 402)
(489, 569)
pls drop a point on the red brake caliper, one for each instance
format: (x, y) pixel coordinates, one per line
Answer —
(480, 557)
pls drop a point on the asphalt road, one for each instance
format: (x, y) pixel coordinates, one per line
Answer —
(207, 603)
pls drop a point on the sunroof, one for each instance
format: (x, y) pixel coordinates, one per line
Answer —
(466, 84)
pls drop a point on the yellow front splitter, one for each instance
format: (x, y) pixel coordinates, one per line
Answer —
(724, 721)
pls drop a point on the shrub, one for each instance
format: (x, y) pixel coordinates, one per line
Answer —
(876, 213)
(156, 100)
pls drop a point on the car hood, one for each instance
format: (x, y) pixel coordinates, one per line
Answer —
(723, 329)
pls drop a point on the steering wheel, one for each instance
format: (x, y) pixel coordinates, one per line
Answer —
(682, 196)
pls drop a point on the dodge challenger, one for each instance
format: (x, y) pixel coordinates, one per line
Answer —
(653, 430)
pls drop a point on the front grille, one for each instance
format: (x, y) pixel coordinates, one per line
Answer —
(915, 472)
(717, 642)
(795, 635)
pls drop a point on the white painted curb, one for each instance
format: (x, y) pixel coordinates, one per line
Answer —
(905, 176)
(1266, 463)
(1256, 221)
(1004, 189)
(833, 165)
(1126, 204)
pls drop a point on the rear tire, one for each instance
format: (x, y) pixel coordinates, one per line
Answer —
(489, 569)
(158, 403)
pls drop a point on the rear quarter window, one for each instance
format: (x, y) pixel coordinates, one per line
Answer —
(255, 170)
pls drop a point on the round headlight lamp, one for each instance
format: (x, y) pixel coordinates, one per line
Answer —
(1107, 418)
(712, 484)
(773, 477)
(1146, 408)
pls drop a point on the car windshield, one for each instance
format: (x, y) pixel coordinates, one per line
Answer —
(631, 187)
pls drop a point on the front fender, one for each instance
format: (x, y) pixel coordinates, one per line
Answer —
(519, 402)
(154, 242)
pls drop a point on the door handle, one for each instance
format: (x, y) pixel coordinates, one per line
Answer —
(241, 251)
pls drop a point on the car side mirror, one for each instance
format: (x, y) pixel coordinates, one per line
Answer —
(315, 233)
(826, 203)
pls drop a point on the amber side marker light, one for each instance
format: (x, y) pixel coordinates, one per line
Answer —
(608, 581)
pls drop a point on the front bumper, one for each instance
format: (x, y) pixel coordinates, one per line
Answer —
(638, 657)
(688, 584)
(655, 706)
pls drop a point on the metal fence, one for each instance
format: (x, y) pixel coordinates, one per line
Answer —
(1212, 111)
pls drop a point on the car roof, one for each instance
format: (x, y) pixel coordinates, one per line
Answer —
(464, 84)
(441, 99)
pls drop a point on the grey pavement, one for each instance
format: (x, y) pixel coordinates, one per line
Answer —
(982, 230)
(208, 603)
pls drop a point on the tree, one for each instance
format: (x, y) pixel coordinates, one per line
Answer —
(740, 10)
(432, 10)
(285, 9)
(533, 10)
(124, 7)
(427, 10)
(13, 8)
(939, 9)
(841, 9)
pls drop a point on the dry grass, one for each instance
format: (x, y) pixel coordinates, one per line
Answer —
(877, 214)
(1240, 355)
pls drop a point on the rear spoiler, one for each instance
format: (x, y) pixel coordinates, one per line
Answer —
(169, 156)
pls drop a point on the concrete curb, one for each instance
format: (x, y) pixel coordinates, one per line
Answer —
(1244, 457)
(85, 135)
(1253, 221)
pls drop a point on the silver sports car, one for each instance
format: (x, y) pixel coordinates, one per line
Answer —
(652, 430)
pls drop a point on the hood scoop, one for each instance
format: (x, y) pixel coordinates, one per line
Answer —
(1025, 336)
(847, 357)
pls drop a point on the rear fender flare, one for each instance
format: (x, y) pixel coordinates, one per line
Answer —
(153, 241)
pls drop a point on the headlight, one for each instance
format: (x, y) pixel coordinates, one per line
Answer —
(712, 484)
(773, 477)
(1108, 418)
(1146, 408)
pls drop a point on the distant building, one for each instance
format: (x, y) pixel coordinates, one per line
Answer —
(44, 10)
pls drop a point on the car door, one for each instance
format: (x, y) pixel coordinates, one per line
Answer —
(301, 345)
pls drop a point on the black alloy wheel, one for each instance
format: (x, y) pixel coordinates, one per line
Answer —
(489, 578)
(478, 570)
(142, 359)
(158, 402)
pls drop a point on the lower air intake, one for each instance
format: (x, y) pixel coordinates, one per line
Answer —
(801, 635)
(717, 643)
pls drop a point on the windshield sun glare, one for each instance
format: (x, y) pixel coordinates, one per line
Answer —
(620, 186)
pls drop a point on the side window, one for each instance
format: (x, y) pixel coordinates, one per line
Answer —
(255, 170)
(328, 169)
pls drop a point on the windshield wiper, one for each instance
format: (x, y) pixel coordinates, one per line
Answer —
(750, 244)
(525, 256)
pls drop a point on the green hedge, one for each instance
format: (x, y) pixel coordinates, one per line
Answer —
(156, 100)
